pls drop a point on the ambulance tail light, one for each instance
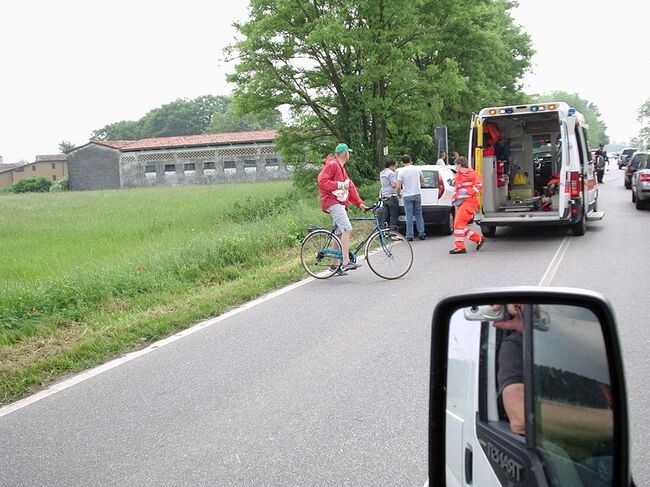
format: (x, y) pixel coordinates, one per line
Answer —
(441, 185)
(575, 184)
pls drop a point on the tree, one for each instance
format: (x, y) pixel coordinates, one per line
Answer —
(124, 130)
(644, 119)
(233, 119)
(189, 117)
(376, 73)
(66, 147)
(597, 127)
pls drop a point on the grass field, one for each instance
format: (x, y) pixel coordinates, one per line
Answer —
(87, 275)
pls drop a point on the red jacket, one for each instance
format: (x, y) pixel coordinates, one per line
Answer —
(468, 179)
(328, 178)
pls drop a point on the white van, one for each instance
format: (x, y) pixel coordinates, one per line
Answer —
(536, 167)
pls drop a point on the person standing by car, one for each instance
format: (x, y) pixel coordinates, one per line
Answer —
(388, 180)
(336, 192)
(441, 159)
(409, 185)
(601, 161)
(468, 184)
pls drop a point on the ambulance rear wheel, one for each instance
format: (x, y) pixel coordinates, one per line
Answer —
(489, 230)
(580, 227)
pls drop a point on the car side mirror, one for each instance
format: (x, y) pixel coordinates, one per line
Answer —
(527, 388)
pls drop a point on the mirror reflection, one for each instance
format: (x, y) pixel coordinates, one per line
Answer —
(528, 385)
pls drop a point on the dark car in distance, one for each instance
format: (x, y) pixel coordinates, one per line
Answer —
(625, 156)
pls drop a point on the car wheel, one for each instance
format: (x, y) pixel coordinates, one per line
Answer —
(639, 204)
(489, 230)
(448, 228)
(633, 197)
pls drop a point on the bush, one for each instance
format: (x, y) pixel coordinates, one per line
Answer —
(32, 185)
(61, 185)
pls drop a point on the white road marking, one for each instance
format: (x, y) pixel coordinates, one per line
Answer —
(60, 386)
(555, 262)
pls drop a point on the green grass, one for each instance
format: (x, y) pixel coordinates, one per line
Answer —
(87, 275)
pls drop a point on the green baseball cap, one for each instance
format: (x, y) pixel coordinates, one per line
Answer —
(342, 148)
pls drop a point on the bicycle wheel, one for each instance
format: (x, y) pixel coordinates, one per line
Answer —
(317, 252)
(389, 254)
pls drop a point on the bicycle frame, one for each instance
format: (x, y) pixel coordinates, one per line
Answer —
(334, 253)
(321, 250)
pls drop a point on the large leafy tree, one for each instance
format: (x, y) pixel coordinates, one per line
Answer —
(597, 128)
(376, 73)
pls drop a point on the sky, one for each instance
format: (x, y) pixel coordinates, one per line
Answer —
(70, 67)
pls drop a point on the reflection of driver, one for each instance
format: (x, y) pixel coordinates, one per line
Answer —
(510, 378)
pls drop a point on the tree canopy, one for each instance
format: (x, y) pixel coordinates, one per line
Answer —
(644, 119)
(378, 73)
(66, 146)
(189, 117)
(597, 128)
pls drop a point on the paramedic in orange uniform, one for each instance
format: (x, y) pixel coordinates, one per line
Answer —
(465, 198)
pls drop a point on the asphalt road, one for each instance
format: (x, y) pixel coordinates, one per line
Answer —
(326, 384)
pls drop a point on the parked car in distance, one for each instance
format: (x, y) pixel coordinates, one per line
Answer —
(632, 166)
(641, 181)
(436, 198)
(625, 156)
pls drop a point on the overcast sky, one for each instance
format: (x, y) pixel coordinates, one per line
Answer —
(72, 66)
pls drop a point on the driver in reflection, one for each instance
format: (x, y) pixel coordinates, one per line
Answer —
(510, 378)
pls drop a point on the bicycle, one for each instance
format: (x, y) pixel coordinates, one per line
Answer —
(388, 254)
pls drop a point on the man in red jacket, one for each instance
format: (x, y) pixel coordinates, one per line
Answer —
(336, 192)
(468, 184)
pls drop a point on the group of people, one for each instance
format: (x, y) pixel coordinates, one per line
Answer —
(337, 191)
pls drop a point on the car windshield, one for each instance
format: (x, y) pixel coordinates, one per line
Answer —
(627, 152)
(430, 179)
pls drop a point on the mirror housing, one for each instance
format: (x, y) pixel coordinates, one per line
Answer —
(482, 300)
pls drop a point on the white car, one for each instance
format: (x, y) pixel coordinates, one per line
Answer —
(436, 198)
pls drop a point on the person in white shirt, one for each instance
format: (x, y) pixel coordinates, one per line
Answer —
(441, 159)
(409, 180)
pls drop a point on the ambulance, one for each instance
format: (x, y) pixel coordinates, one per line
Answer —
(536, 167)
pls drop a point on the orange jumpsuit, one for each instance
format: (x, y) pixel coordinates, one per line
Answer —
(469, 180)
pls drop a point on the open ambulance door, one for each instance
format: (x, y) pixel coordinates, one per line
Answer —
(475, 151)
(589, 171)
(565, 168)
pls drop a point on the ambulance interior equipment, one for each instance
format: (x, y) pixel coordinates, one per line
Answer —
(536, 167)
(574, 399)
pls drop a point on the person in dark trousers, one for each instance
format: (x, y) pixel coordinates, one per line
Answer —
(388, 180)
(601, 161)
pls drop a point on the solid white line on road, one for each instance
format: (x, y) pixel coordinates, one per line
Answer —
(60, 386)
(555, 262)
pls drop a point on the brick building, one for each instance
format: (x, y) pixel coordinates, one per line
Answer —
(190, 159)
